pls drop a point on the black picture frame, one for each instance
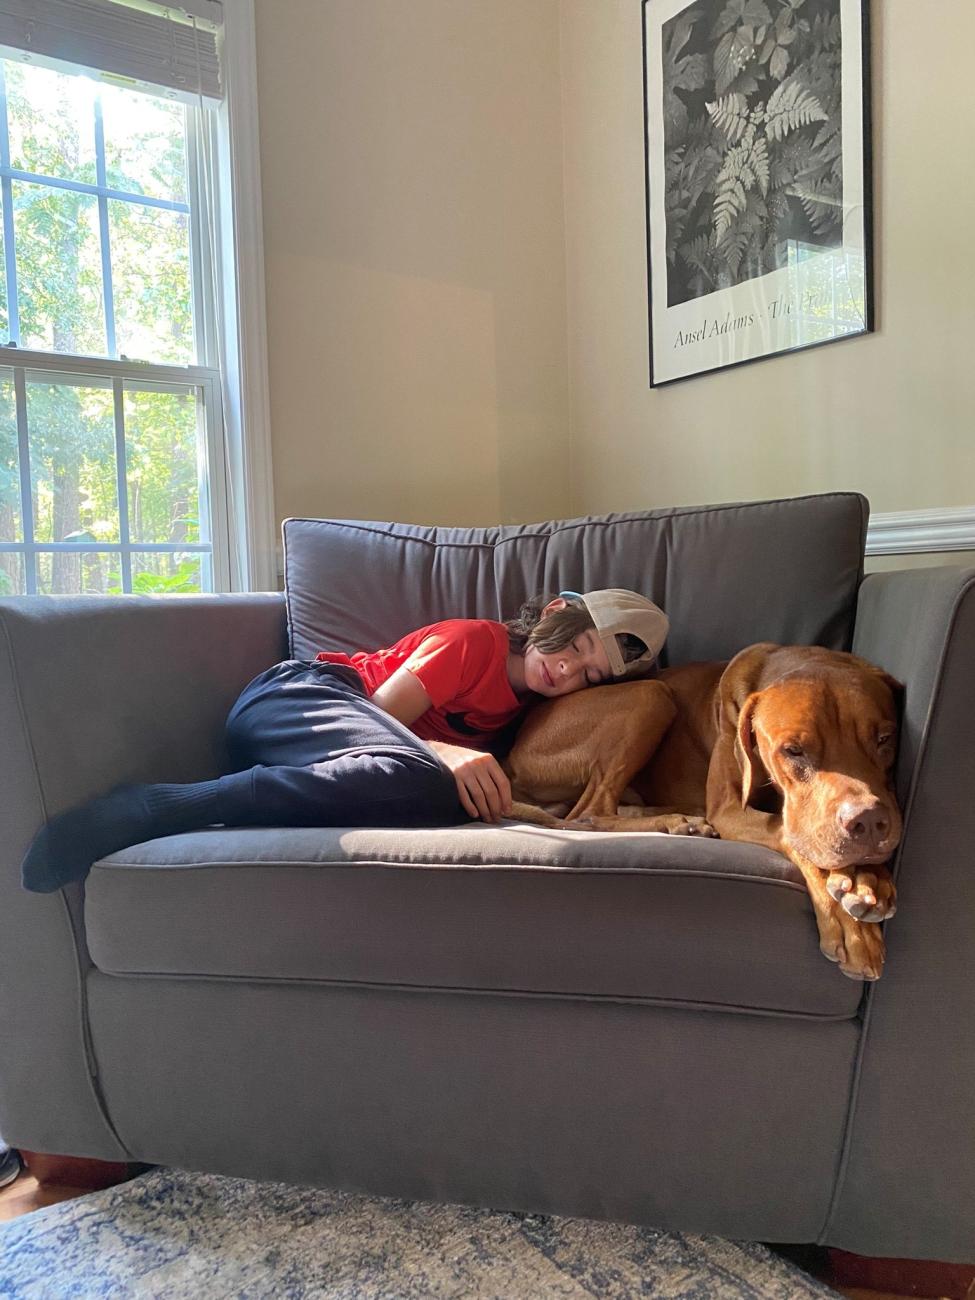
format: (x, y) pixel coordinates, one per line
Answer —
(759, 203)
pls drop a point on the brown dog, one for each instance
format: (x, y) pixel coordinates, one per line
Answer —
(791, 747)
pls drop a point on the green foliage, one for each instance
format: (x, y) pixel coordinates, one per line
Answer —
(145, 583)
(753, 147)
(71, 425)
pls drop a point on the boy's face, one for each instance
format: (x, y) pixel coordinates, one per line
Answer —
(582, 663)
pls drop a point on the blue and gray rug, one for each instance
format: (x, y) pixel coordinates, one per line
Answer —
(171, 1235)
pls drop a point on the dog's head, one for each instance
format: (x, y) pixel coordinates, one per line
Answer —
(815, 740)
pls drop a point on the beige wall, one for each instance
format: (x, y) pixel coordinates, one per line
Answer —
(456, 276)
(890, 414)
(411, 160)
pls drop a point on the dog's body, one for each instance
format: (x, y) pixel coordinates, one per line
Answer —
(789, 747)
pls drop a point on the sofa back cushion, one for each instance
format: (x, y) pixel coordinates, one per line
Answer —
(727, 575)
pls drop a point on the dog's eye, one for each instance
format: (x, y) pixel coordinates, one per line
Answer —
(793, 751)
(886, 739)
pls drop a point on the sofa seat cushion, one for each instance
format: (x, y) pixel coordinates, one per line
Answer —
(514, 909)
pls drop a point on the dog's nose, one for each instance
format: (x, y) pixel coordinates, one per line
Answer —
(864, 823)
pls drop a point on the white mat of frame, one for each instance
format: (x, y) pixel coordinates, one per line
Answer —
(172, 1235)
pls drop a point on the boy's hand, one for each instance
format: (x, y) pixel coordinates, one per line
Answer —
(482, 786)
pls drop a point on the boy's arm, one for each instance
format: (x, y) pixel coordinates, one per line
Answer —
(402, 696)
(482, 786)
(483, 789)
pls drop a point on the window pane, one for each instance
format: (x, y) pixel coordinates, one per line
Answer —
(162, 464)
(71, 434)
(151, 282)
(158, 571)
(12, 574)
(11, 521)
(66, 574)
(52, 122)
(59, 270)
(145, 144)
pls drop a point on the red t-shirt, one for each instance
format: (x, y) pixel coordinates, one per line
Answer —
(461, 663)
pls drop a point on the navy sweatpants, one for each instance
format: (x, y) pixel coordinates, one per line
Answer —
(318, 752)
(311, 749)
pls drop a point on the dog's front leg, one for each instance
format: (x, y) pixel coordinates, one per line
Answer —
(726, 807)
(585, 748)
(856, 946)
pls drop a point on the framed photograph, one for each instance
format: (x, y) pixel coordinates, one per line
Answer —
(758, 179)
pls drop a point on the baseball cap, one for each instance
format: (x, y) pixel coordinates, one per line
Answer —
(616, 612)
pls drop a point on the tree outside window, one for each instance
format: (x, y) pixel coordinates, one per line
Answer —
(107, 471)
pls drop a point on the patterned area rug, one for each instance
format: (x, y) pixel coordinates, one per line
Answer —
(172, 1235)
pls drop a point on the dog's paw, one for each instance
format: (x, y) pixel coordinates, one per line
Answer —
(683, 825)
(865, 894)
(857, 948)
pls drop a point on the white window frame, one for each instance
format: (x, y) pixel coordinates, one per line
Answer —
(241, 240)
(238, 544)
(124, 377)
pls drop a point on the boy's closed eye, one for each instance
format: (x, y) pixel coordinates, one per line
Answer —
(583, 647)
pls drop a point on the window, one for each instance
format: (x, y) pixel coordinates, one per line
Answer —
(120, 418)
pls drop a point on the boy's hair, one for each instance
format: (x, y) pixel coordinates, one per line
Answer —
(555, 631)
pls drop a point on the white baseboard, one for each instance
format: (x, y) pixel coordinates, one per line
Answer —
(905, 532)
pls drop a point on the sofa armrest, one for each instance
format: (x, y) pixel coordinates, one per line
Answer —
(907, 1180)
(94, 692)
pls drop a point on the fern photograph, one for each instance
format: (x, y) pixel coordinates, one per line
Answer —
(759, 201)
(752, 138)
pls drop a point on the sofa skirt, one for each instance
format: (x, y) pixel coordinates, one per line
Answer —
(689, 1120)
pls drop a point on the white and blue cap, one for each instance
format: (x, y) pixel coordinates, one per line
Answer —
(617, 612)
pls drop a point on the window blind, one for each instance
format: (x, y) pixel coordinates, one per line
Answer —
(172, 47)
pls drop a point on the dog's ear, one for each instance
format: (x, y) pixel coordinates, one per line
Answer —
(741, 677)
(753, 772)
(897, 689)
(735, 701)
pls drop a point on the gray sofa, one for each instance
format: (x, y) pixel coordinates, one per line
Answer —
(631, 1027)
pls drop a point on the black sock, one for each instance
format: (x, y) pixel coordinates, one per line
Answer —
(65, 848)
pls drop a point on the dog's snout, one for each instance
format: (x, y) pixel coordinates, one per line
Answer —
(864, 823)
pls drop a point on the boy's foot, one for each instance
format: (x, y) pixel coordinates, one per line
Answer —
(65, 848)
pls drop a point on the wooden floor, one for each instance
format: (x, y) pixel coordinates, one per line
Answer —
(26, 1194)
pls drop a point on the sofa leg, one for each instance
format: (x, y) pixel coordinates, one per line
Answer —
(906, 1277)
(76, 1171)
